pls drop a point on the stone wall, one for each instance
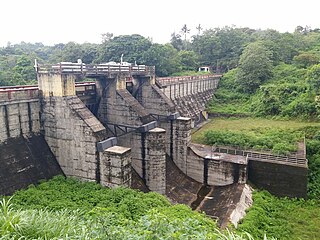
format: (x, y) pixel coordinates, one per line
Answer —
(279, 179)
(19, 113)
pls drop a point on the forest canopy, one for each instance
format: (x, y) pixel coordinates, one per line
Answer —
(219, 48)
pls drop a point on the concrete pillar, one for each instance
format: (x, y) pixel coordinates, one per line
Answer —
(243, 174)
(56, 84)
(155, 160)
(115, 167)
(180, 142)
(121, 82)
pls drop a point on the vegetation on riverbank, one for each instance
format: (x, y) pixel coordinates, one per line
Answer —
(69, 209)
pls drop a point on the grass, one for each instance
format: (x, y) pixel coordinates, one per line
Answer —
(282, 218)
(249, 125)
(69, 209)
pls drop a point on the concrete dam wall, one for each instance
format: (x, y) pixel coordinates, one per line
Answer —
(25, 157)
(124, 129)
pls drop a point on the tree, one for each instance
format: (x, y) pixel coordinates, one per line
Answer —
(131, 46)
(313, 76)
(185, 30)
(189, 60)
(164, 58)
(208, 46)
(106, 37)
(255, 67)
(176, 41)
(305, 59)
(199, 28)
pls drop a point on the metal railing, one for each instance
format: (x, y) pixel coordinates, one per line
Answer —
(165, 81)
(292, 159)
(94, 69)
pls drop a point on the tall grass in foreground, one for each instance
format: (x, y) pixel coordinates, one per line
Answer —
(70, 209)
(66, 224)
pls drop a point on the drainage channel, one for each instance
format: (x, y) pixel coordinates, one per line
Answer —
(203, 191)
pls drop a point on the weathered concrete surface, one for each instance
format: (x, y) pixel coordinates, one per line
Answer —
(155, 160)
(115, 166)
(181, 138)
(19, 113)
(25, 161)
(180, 188)
(241, 206)
(215, 169)
(120, 107)
(154, 100)
(282, 180)
(72, 132)
(137, 182)
(56, 84)
(226, 203)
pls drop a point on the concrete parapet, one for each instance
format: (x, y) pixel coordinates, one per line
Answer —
(190, 97)
(115, 166)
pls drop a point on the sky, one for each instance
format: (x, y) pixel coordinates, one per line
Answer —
(62, 21)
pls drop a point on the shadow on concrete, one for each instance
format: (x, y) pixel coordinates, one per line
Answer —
(25, 161)
(217, 202)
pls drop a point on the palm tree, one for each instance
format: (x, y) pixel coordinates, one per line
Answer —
(185, 31)
(199, 28)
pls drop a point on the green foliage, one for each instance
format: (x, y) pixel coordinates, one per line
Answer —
(290, 93)
(189, 60)
(221, 47)
(305, 60)
(313, 155)
(71, 194)
(282, 218)
(69, 209)
(313, 76)
(254, 67)
(188, 73)
(277, 140)
(131, 46)
(227, 99)
(284, 99)
(164, 57)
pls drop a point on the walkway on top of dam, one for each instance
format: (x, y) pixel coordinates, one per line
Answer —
(95, 70)
(167, 81)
